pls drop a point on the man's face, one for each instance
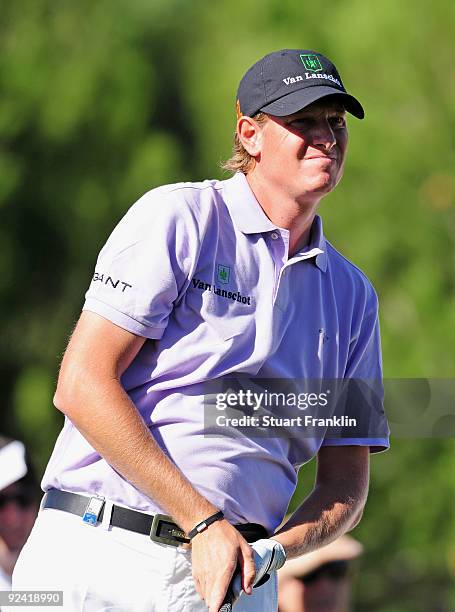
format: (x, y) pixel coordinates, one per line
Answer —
(17, 514)
(304, 153)
(323, 594)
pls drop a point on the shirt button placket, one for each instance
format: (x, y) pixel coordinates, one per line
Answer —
(278, 257)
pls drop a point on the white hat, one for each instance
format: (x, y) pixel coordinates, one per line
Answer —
(12, 463)
(343, 549)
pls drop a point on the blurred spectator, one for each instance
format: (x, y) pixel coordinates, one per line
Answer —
(18, 504)
(319, 581)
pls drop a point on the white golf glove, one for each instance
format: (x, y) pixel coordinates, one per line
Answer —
(269, 556)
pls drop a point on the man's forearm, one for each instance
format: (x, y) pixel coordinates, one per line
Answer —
(106, 417)
(319, 520)
(333, 507)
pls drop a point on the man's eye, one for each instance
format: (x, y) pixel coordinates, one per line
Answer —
(298, 124)
(339, 121)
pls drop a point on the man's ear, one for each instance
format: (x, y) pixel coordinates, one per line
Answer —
(250, 135)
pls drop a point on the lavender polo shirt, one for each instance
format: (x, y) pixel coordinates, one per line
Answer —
(199, 270)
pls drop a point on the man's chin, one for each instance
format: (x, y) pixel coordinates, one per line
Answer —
(327, 183)
(321, 187)
(14, 544)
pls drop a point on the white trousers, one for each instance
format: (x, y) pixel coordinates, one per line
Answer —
(111, 569)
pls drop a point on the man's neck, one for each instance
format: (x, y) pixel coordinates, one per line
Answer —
(285, 212)
(8, 558)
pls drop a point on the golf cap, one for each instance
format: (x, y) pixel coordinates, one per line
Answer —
(13, 465)
(284, 82)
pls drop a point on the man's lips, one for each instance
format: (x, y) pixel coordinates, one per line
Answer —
(328, 157)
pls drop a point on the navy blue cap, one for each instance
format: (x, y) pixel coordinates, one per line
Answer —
(284, 82)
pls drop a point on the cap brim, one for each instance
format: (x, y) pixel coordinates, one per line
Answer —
(297, 100)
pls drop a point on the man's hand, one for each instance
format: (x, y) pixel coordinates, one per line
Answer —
(216, 553)
(269, 555)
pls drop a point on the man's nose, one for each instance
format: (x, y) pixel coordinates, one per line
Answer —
(324, 135)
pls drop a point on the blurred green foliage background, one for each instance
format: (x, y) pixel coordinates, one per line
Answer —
(101, 101)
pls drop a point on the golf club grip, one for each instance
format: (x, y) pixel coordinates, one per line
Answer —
(228, 601)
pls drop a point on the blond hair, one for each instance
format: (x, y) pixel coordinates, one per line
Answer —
(241, 160)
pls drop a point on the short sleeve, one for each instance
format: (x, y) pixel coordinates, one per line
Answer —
(145, 264)
(364, 399)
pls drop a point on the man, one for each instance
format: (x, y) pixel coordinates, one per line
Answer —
(18, 505)
(321, 580)
(200, 281)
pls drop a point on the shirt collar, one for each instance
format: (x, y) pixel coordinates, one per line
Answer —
(249, 218)
(245, 210)
(317, 244)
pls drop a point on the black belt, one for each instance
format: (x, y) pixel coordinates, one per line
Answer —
(159, 527)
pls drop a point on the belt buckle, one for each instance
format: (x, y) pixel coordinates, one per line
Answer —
(93, 510)
(162, 523)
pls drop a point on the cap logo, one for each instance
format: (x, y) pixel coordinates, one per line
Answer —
(311, 62)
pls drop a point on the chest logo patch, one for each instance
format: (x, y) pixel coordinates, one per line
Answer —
(223, 273)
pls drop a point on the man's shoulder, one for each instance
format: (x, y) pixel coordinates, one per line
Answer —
(189, 192)
(188, 188)
(193, 198)
(175, 202)
(350, 275)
